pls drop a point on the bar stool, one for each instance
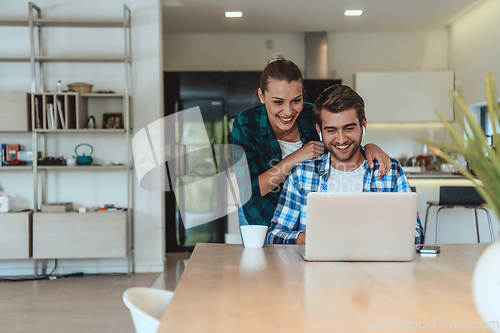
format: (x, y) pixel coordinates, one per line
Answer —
(458, 196)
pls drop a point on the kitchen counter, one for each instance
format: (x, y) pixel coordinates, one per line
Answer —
(434, 175)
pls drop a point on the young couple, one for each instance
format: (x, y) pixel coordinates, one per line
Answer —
(287, 159)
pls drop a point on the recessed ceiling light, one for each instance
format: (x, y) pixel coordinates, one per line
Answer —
(353, 12)
(234, 14)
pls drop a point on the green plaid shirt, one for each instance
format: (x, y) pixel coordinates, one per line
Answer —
(252, 132)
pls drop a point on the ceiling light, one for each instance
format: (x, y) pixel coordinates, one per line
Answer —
(353, 12)
(234, 14)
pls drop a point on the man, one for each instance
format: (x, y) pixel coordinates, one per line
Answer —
(341, 123)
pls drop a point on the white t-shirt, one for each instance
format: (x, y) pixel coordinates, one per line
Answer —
(350, 181)
(289, 147)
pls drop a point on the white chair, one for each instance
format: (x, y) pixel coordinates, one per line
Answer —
(146, 306)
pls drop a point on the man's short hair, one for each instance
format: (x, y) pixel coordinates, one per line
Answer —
(338, 98)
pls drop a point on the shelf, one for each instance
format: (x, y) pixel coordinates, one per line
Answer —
(103, 95)
(63, 167)
(65, 23)
(14, 23)
(82, 59)
(80, 23)
(17, 211)
(83, 130)
(16, 132)
(82, 167)
(16, 167)
(14, 59)
(66, 59)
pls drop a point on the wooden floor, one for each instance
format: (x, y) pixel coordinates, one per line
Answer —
(176, 263)
(76, 304)
(79, 304)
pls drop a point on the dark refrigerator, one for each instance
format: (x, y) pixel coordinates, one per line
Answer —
(220, 97)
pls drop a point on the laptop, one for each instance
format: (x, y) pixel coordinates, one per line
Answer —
(368, 226)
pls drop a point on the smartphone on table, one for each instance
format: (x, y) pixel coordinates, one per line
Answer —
(428, 249)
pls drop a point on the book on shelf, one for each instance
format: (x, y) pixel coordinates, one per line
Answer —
(57, 207)
(50, 115)
(61, 114)
(45, 118)
(9, 154)
(38, 122)
(12, 151)
(3, 149)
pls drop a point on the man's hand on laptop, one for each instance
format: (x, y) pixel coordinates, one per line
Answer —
(301, 239)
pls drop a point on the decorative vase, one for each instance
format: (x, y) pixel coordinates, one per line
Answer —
(486, 287)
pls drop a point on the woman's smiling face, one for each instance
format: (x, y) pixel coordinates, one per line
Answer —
(284, 102)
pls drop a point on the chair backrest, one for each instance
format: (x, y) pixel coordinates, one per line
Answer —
(146, 306)
(459, 196)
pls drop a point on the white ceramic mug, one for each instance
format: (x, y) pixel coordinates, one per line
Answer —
(71, 162)
(253, 235)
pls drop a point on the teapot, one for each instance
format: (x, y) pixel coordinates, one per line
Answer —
(84, 159)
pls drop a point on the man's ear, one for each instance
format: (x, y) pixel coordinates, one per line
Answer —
(261, 95)
(363, 123)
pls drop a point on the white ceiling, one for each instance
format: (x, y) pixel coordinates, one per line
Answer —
(311, 15)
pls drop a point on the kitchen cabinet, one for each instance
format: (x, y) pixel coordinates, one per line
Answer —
(76, 235)
(406, 96)
(15, 235)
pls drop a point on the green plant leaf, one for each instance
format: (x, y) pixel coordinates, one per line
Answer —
(492, 100)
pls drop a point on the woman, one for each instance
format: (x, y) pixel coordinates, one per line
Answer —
(277, 135)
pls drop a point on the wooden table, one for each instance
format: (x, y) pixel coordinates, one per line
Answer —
(226, 288)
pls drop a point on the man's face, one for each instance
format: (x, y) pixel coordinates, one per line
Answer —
(342, 133)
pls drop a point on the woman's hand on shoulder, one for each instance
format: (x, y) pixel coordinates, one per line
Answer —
(310, 150)
(374, 152)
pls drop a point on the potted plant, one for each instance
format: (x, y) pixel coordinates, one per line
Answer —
(484, 161)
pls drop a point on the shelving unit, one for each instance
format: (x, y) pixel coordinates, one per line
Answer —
(112, 232)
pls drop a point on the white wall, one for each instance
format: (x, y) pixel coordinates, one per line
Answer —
(351, 52)
(229, 51)
(147, 106)
(474, 48)
(347, 54)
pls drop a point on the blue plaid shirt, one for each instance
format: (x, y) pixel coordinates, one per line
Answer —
(289, 218)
